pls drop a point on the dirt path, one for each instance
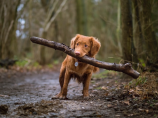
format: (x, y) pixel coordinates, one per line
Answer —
(29, 95)
(38, 88)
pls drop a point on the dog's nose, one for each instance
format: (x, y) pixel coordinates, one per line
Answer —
(77, 53)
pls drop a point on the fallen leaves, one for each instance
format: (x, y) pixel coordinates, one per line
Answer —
(104, 88)
(126, 102)
(43, 107)
(132, 100)
(109, 105)
(3, 95)
(3, 109)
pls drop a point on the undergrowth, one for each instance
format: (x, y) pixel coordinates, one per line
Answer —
(146, 86)
(26, 63)
(104, 74)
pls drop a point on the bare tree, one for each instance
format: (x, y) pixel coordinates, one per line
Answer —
(128, 48)
(137, 31)
(118, 31)
(81, 17)
(8, 14)
(52, 14)
(151, 45)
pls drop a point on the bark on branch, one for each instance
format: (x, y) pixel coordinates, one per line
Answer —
(125, 68)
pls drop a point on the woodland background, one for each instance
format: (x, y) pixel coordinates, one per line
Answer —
(127, 29)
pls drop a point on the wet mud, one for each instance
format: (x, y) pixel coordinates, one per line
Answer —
(29, 94)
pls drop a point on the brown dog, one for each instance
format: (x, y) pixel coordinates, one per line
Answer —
(72, 68)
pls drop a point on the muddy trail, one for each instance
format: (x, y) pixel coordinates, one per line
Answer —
(28, 94)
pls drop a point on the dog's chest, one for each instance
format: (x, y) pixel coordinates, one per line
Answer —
(79, 69)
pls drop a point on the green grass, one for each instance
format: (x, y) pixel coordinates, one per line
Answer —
(50, 65)
(36, 64)
(56, 62)
(22, 63)
(104, 74)
(98, 88)
(101, 75)
(139, 81)
(142, 62)
(25, 63)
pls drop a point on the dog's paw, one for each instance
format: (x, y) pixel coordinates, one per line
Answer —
(56, 96)
(86, 96)
(63, 97)
(60, 96)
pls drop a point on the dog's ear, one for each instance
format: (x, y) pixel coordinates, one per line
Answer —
(73, 41)
(95, 46)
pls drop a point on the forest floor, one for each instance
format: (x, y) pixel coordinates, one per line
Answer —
(28, 93)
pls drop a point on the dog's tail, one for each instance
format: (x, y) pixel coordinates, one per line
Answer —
(95, 69)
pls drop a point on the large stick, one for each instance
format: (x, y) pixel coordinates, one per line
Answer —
(125, 68)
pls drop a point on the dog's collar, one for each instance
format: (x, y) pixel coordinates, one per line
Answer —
(76, 63)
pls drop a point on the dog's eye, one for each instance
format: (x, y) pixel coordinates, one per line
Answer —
(85, 45)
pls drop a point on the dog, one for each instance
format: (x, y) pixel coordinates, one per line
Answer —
(73, 68)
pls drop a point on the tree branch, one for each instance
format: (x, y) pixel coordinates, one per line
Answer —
(125, 68)
(55, 15)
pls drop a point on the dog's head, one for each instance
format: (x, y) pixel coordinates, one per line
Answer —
(84, 45)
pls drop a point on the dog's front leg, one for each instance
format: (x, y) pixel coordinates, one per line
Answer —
(61, 80)
(65, 85)
(86, 83)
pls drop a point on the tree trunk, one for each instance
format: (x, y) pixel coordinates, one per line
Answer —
(151, 45)
(137, 32)
(128, 49)
(7, 27)
(1, 24)
(42, 57)
(81, 17)
(118, 31)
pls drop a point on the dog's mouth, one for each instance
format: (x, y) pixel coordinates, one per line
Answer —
(78, 60)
